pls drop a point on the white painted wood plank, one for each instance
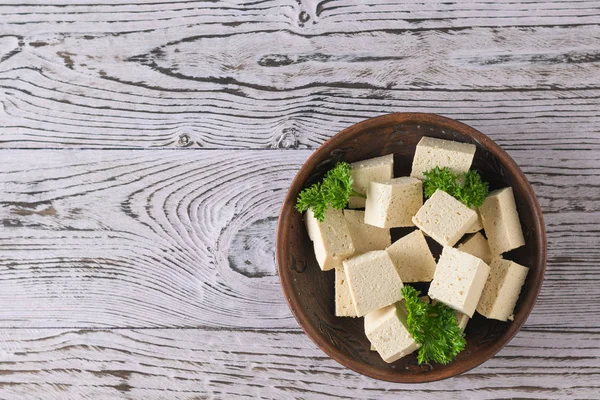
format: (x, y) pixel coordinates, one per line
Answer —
(101, 239)
(148, 238)
(276, 88)
(193, 363)
(306, 16)
(63, 117)
(153, 238)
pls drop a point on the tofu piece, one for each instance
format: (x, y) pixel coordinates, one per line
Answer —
(477, 246)
(477, 226)
(412, 258)
(373, 281)
(331, 238)
(462, 319)
(459, 280)
(344, 307)
(393, 203)
(502, 289)
(444, 218)
(386, 330)
(378, 169)
(366, 237)
(501, 221)
(432, 152)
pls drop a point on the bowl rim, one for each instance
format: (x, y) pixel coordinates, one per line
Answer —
(293, 299)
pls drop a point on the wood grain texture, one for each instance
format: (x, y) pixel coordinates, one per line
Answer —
(189, 363)
(309, 16)
(136, 273)
(94, 238)
(198, 74)
(169, 238)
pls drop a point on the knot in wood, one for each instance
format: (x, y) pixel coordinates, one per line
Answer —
(303, 17)
(184, 141)
(288, 139)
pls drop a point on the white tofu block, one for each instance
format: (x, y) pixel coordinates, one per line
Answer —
(373, 281)
(462, 319)
(501, 221)
(432, 152)
(412, 258)
(386, 330)
(444, 218)
(331, 238)
(502, 289)
(477, 246)
(344, 307)
(459, 280)
(477, 226)
(378, 169)
(365, 237)
(393, 203)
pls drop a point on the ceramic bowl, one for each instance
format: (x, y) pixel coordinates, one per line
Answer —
(310, 291)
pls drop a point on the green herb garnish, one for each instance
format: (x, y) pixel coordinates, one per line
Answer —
(434, 327)
(468, 188)
(334, 190)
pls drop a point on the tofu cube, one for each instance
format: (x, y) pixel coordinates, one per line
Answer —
(502, 289)
(501, 221)
(412, 258)
(386, 330)
(344, 307)
(365, 237)
(444, 218)
(462, 319)
(393, 203)
(432, 152)
(373, 281)
(459, 280)
(331, 238)
(477, 226)
(477, 246)
(378, 169)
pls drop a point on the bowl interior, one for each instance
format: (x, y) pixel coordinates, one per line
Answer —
(310, 292)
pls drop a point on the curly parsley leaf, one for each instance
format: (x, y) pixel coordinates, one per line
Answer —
(313, 197)
(442, 179)
(334, 190)
(473, 191)
(469, 188)
(434, 327)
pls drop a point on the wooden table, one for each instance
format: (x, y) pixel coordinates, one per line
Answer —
(146, 147)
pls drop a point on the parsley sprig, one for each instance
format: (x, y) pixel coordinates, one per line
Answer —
(434, 327)
(334, 190)
(468, 188)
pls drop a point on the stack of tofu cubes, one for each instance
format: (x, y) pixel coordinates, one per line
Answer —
(370, 270)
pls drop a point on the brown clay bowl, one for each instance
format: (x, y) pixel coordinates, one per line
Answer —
(310, 292)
